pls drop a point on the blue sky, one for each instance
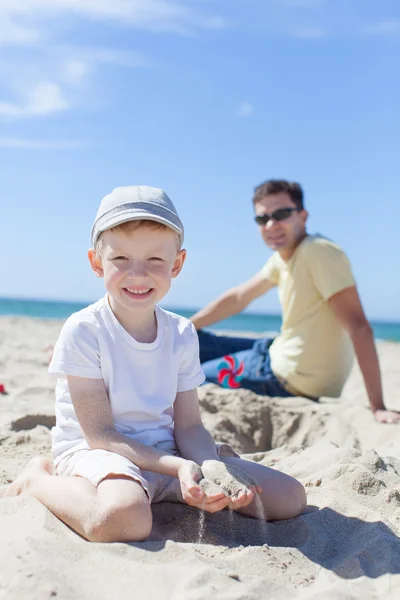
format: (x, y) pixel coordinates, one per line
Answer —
(205, 98)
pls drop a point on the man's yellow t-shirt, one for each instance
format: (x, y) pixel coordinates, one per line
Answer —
(313, 352)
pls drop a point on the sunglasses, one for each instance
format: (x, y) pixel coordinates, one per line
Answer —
(278, 215)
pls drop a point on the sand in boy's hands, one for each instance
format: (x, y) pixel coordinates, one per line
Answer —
(219, 475)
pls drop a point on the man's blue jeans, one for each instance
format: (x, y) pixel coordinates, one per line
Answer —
(239, 363)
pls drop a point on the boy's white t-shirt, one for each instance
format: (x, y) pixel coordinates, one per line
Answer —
(141, 380)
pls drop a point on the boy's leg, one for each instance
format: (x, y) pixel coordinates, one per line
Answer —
(117, 510)
(282, 497)
(216, 346)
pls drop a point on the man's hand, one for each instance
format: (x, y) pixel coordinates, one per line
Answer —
(387, 416)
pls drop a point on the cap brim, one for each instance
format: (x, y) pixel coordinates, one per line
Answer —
(105, 223)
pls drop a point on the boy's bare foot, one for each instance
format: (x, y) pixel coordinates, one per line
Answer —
(37, 467)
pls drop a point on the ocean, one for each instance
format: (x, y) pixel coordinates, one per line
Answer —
(257, 322)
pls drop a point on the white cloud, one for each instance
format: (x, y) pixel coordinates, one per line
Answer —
(75, 72)
(32, 144)
(119, 58)
(308, 33)
(46, 97)
(43, 82)
(386, 27)
(245, 109)
(217, 23)
(14, 33)
(43, 99)
(160, 15)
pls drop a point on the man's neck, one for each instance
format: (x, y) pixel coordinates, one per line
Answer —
(287, 253)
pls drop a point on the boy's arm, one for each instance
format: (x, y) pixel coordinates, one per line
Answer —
(348, 310)
(93, 411)
(232, 302)
(192, 438)
(196, 444)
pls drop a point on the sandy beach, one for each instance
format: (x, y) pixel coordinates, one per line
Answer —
(346, 545)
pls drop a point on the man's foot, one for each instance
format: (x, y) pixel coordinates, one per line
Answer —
(37, 467)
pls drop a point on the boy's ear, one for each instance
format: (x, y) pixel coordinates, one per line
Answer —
(178, 263)
(95, 263)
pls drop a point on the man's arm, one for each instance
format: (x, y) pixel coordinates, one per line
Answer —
(348, 310)
(93, 411)
(232, 302)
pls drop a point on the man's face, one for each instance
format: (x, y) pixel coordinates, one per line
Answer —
(282, 236)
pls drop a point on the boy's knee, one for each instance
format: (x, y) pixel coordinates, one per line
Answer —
(298, 500)
(121, 524)
(292, 501)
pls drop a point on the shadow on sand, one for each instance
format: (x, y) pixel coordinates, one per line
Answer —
(348, 546)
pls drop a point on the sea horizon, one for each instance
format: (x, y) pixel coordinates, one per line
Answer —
(249, 321)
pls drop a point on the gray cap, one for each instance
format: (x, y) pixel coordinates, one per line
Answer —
(134, 202)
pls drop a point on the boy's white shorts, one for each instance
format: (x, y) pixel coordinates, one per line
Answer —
(96, 465)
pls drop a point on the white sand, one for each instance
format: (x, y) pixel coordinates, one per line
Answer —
(345, 546)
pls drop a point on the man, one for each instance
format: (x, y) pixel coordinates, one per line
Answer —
(323, 319)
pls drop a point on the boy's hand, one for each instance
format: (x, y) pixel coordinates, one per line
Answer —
(239, 487)
(189, 474)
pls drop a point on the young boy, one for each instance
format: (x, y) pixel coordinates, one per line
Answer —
(128, 428)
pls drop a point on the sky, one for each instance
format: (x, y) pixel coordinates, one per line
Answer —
(205, 99)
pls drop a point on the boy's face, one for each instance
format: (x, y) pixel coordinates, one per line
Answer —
(138, 266)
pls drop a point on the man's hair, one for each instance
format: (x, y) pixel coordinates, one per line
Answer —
(130, 226)
(277, 186)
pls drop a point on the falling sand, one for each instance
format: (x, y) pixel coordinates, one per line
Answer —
(233, 481)
(202, 526)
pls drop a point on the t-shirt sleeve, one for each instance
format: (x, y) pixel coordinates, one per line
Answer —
(77, 351)
(270, 270)
(190, 374)
(330, 269)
